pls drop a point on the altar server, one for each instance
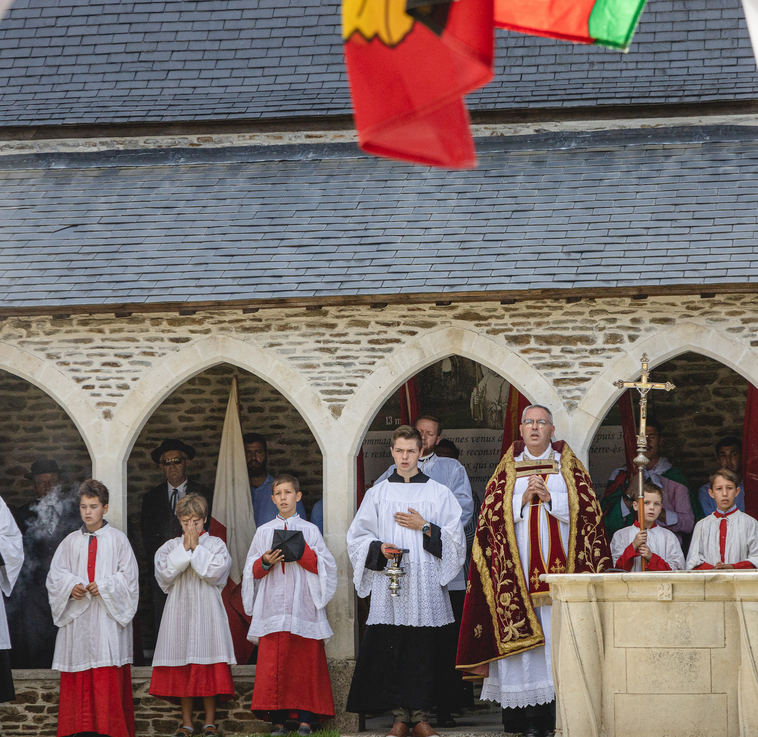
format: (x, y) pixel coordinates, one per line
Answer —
(657, 545)
(728, 538)
(93, 586)
(194, 648)
(11, 560)
(407, 511)
(286, 594)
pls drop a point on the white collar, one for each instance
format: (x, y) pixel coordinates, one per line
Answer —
(283, 519)
(548, 454)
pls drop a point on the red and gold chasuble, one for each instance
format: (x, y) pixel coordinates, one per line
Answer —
(498, 615)
(539, 563)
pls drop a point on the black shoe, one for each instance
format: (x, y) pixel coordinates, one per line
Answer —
(532, 731)
(445, 720)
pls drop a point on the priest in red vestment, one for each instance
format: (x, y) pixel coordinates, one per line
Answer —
(540, 515)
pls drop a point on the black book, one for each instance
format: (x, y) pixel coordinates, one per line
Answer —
(291, 543)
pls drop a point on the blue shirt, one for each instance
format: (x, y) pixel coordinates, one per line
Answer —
(317, 515)
(708, 503)
(264, 508)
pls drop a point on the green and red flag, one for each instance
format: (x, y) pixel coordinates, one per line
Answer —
(410, 63)
(604, 22)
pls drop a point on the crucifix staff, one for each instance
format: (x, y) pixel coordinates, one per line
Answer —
(643, 387)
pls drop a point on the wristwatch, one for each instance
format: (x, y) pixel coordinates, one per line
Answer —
(426, 528)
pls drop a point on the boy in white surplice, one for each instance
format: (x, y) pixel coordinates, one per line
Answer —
(194, 648)
(93, 586)
(396, 661)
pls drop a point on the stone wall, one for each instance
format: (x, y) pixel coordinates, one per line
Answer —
(195, 413)
(35, 711)
(34, 426)
(707, 405)
(555, 351)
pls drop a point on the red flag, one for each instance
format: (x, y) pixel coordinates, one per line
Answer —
(517, 403)
(409, 73)
(750, 452)
(604, 22)
(233, 521)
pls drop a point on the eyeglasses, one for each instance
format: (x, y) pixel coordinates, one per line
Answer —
(529, 423)
(172, 462)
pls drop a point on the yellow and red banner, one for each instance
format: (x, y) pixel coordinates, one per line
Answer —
(409, 73)
(411, 62)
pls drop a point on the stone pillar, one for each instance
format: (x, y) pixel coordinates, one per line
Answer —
(339, 509)
(577, 659)
(746, 604)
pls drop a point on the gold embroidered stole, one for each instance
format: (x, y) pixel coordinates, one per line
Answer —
(539, 591)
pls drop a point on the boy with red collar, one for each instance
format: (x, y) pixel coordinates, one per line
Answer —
(728, 538)
(657, 545)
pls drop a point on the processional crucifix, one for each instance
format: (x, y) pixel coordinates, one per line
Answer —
(643, 387)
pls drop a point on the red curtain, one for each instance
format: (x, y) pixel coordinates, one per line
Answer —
(410, 409)
(629, 428)
(517, 403)
(750, 452)
(410, 402)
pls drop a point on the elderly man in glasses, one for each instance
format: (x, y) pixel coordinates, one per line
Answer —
(540, 515)
(159, 522)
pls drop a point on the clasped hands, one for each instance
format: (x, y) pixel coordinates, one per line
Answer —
(80, 590)
(191, 539)
(535, 487)
(411, 520)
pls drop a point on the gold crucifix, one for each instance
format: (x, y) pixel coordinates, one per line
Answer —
(643, 387)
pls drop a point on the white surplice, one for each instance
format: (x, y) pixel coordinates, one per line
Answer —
(526, 679)
(195, 627)
(451, 473)
(423, 600)
(741, 540)
(290, 600)
(12, 552)
(662, 542)
(95, 631)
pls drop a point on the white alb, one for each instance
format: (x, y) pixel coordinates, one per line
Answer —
(423, 600)
(195, 627)
(95, 631)
(289, 598)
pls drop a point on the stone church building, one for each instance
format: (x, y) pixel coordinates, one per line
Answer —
(182, 199)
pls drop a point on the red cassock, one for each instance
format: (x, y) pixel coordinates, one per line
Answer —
(291, 671)
(171, 683)
(97, 700)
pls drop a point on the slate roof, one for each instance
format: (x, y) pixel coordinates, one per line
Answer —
(604, 210)
(104, 61)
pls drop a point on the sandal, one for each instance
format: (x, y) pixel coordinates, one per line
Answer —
(183, 732)
(209, 730)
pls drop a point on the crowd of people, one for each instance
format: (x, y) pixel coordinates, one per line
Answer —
(472, 602)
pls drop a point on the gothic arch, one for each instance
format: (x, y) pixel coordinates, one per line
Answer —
(660, 347)
(65, 392)
(164, 378)
(421, 352)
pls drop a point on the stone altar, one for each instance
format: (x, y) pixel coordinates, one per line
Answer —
(656, 654)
